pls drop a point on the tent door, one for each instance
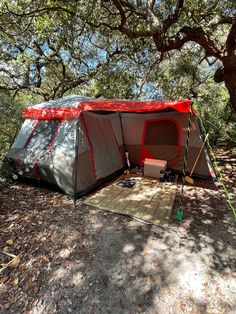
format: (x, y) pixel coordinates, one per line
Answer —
(105, 150)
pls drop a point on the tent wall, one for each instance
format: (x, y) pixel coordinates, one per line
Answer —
(104, 144)
(134, 130)
(23, 134)
(50, 147)
(58, 167)
(73, 154)
(84, 175)
(18, 155)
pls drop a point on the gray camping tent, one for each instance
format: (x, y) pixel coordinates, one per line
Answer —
(77, 142)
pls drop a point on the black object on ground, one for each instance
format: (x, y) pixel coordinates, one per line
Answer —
(168, 175)
(127, 183)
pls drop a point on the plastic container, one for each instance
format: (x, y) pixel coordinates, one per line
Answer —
(152, 167)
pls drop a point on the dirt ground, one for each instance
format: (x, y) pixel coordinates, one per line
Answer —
(76, 259)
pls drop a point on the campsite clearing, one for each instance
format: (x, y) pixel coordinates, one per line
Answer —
(84, 260)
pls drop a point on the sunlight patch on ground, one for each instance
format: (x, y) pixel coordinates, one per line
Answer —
(191, 279)
(65, 252)
(77, 278)
(59, 274)
(128, 248)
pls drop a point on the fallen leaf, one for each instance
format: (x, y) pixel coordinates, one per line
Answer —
(3, 279)
(16, 281)
(10, 241)
(14, 262)
(45, 259)
(26, 218)
(218, 290)
(152, 278)
(6, 306)
(5, 249)
(191, 294)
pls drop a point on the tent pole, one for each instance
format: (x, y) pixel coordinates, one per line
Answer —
(122, 133)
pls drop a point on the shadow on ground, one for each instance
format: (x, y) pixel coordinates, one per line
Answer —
(77, 259)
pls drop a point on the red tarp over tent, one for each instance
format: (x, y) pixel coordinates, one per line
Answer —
(46, 113)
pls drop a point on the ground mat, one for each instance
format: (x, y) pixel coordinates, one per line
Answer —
(149, 199)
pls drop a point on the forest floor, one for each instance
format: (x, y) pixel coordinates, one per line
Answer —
(78, 259)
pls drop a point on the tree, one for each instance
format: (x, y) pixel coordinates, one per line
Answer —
(171, 25)
(47, 53)
(10, 121)
(154, 27)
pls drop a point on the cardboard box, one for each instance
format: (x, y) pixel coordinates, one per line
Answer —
(152, 167)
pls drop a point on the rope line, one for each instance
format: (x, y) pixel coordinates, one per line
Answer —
(222, 133)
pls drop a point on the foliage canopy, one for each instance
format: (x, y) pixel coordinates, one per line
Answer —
(121, 49)
(50, 47)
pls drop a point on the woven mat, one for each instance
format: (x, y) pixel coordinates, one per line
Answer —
(149, 200)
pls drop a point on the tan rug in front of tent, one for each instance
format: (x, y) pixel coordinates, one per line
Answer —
(149, 200)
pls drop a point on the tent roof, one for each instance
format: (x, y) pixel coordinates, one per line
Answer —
(72, 106)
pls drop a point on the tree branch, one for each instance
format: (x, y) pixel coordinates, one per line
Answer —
(231, 39)
(39, 11)
(173, 18)
(186, 34)
(148, 73)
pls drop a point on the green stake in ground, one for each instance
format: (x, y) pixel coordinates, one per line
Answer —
(180, 215)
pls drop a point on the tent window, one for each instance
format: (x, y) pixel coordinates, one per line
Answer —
(43, 134)
(163, 132)
(24, 133)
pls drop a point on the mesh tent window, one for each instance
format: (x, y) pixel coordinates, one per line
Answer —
(43, 134)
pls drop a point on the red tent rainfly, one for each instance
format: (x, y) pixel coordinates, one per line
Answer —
(48, 113)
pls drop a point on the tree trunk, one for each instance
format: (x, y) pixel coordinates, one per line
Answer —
(230, 81)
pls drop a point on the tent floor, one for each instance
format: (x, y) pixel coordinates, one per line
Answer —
(149, 199)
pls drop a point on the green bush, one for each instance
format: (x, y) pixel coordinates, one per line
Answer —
(10, 121)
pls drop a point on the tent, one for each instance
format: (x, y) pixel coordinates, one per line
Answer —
(77, 142)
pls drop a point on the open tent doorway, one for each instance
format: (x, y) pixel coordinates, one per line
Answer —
(161, 140)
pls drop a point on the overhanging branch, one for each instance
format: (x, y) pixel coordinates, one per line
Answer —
(187, 34)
